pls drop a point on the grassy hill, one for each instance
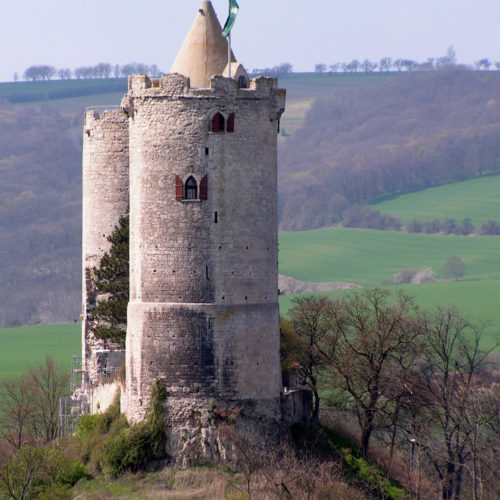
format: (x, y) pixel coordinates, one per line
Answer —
(475, 198)
(371, 258)
(27, 346)
(40, 164)
(35, 92)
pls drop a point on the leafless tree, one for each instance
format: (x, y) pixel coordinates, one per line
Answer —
(449, 377)
(17, 409)
(385, 64)
(372, 341)
(311, 323)
(320, 68)
(49, 382)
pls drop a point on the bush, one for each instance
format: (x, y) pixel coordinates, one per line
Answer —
(415, 226)
(491, 228)
(404, 276)
(425, 275)
(39, 472)
(86, 425)
(130, 450)
(113, 447)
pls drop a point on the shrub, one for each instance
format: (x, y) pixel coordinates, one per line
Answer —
(86, 425)
(34, 472)
(415, 226)
(425, 275)
(113, 447)
(404, 276)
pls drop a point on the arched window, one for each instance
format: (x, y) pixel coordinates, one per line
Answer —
(230, 123)
(242, 82)
(218, 123)
(191, 189)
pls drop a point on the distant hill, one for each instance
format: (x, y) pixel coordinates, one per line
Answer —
(477, 199)
(365, 136)
(22, 92)
(409, 132)
(40, 215)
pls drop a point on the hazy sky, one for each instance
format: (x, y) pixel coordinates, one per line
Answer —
(72, 33)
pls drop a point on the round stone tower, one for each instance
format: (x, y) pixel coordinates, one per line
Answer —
(105, 200)
(203, 314)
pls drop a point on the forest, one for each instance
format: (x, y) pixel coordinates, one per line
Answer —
(410, 132)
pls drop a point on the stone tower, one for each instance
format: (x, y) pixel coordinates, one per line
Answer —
(105, 200)
(203, 314)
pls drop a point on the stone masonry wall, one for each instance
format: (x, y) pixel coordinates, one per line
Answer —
(105, 199)
(203, 314)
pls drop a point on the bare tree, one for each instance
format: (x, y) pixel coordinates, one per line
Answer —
(49, 383)
(311, 323)
(483, 64)
(451, 365)
(371, 339)
(385, 64)
(353, 66)
(369, 66)
(320, 68)
(454, 267)
(334, 67)
(17, 409)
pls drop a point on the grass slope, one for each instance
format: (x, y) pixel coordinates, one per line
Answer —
(23, 347)
(371, 258)
(475, 198)
(20, 92)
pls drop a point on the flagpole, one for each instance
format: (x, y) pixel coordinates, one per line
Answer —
(229, 54)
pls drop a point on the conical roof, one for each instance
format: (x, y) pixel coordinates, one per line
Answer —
(204, 51)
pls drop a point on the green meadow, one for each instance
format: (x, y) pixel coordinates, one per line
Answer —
(27, 346)
(477, 199)
(371, 258)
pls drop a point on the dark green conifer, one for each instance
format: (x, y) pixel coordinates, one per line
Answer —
(111, 279)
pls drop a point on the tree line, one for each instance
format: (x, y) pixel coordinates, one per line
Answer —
(417, 383)
(386, 64)
(362, 216)
(45, 72)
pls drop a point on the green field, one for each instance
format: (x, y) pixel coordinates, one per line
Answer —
(23, 347)
(371, 258)
(19, 92)
(475, 198)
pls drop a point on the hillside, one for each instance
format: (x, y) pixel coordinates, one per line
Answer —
(476, 199)
(40, 215)
(371, 258)
(409, 132)
(347, 138)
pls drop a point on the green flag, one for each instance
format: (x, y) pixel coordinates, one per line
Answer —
(233, 11)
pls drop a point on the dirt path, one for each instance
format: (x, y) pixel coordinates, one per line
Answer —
(289, 285)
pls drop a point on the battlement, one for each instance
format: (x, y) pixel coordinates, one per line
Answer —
(103, 114)
(175, 84)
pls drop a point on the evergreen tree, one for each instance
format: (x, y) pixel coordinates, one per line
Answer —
(111, 279)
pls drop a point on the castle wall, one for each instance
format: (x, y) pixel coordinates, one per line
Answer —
(203, 314)
(105, 199)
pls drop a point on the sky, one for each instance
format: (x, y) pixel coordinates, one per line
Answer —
(73, 33)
